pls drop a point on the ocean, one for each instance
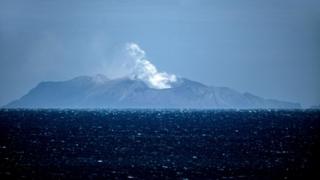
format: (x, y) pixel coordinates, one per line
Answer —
(158, 144)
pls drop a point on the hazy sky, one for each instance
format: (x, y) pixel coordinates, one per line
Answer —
(269, 48)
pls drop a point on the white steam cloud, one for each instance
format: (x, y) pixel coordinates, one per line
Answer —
(138, 67)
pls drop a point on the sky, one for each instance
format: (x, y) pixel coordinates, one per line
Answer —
(268, 48)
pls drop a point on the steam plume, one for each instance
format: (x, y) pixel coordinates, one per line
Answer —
(141, 68)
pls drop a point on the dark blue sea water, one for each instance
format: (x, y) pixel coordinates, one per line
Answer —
(159, 144)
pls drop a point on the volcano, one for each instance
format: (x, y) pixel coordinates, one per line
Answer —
(101, 92)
